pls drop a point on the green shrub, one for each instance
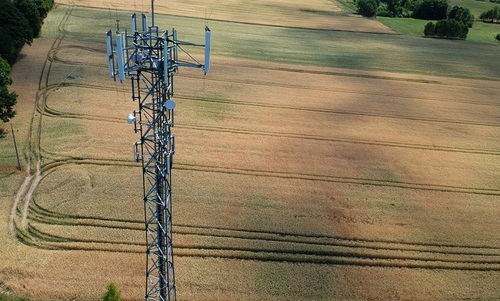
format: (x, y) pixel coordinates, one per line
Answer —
(493, 15)
(448, 29)
(112, 293)
(429, 29)
(498, 37)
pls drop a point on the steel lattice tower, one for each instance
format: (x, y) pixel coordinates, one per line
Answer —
(150, 58)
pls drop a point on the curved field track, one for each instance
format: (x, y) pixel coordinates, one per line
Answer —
(291, 182)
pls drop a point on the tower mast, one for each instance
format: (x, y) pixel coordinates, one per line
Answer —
(150, 58)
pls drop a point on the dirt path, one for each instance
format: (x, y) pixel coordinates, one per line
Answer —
(33, 151)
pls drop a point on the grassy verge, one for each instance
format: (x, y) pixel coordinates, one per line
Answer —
(480, 32)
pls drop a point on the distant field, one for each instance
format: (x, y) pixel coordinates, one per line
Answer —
(480, 32)
(476, 7)
(316, 14)
(311, 164)
(340, 49)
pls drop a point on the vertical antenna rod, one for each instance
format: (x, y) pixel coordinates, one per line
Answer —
(153, 13)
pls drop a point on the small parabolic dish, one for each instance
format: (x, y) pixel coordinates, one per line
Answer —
(131, 118)
(169, 104)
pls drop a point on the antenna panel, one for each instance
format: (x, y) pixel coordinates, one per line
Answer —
(109, 50)
(125, 47)
(166, 61)
(176, 48)
(144, 23)
(208, 46)
(133, 23)
(121, 61)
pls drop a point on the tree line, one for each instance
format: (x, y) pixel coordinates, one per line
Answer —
(20, 22)
(451, 23)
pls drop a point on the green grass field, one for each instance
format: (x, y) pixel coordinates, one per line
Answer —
(476, 7)
(479, 33)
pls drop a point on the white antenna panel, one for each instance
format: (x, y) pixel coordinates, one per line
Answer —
(109, 50)
(208, 46)
(176, 48)
(133, 23)
(166, 61)
(119, 53)
(144, 23)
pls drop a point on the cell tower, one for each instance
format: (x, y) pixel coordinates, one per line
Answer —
(150, 59)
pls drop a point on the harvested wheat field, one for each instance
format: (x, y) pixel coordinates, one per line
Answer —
(308, 166)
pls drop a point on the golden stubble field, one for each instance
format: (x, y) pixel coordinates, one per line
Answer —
(291, 182)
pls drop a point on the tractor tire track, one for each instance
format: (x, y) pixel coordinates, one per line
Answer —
(253, 82)
(275, 246)
(237, 243)
(337, 179)
(340, 112)
(48, 111)
(34, 153)
(339, 139)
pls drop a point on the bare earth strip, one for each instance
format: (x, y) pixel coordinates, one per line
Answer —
(290, 183)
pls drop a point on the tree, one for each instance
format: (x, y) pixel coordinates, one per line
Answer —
(448, 29)
(30, 11)
(431, 10)
(43, 7)
(15, 28)
(112, 293)
(7, 99)
(4, 66)
(7, 48)
(7, 102)
(462, 14)
(367, 8)
(493, 15)
(394, 7)
(429, 29)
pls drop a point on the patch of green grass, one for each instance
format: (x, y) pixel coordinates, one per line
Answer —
(62, 127)
(6, 297)
(484, 32)
(383, 174)
(407, 26)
